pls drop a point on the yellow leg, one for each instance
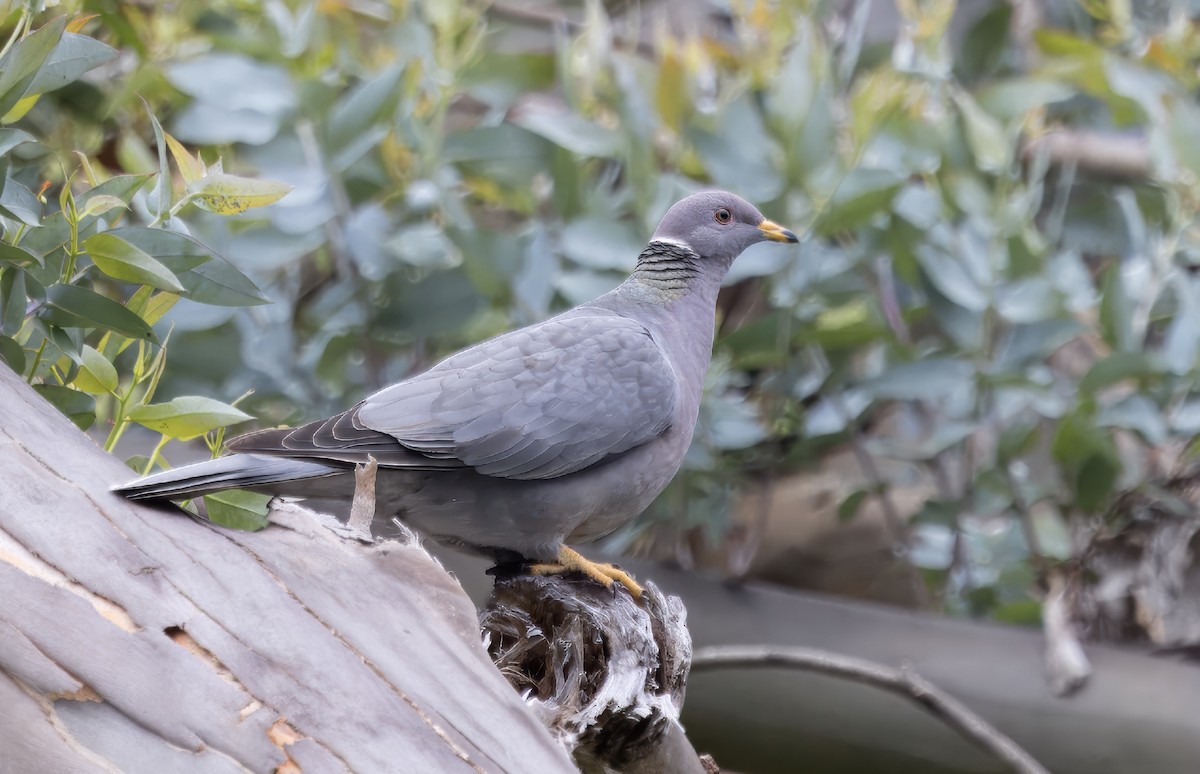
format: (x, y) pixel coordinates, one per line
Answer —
(570, 560)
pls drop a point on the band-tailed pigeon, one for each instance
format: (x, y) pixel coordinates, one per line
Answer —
(558, 432)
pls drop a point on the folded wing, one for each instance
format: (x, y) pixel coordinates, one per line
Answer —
(537, 403)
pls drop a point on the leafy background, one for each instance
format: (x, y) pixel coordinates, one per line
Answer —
(227, 210)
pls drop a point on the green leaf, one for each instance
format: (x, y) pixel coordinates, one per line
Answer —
(1089, 459)
(163, 191)
(927, 379)
(862, 195)
(190, 168)
(151, 306)
(98, 205)
(598, 243)
(71, 58)
(1138, 413)
(96, 375)
(985, 136)
(238, 509)
(1013, 98)
(1015, 440)
(935, 511)
(123, 187)
(229, 194)
(188, 417)
(177, 252)
(71, 306)
(1116, 312)
(19, 203)
(19, 66)
(79, 407)
(351, 119)
(1183, 130)
(569, 131)
(11, 138)
(13, 354)
(1118, 367)
(208, 277)
(68, 344)
(1020, 612)
(13, 300)
(985, 42)
(219, 283)
(850, 506)
(121, 260)
(17, 254)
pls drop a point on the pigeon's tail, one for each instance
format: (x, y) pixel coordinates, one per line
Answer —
(270, 475)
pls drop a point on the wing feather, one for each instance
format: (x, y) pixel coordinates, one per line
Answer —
(540, 402)
(537, 403)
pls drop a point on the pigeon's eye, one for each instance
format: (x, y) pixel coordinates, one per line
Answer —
(723, 216)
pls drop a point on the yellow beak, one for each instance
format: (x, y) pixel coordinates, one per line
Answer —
(775, 232)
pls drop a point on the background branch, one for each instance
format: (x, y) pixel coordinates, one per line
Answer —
(903, 682)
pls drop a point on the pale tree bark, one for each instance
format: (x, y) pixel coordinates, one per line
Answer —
(139, 640)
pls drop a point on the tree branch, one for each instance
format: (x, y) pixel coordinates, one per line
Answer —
(903, 682)
(1103, 154)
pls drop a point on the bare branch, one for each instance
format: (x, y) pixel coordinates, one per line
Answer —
(891, 516)
(1067, 666)
(362, 507)
(903, 682)
(1104, 154)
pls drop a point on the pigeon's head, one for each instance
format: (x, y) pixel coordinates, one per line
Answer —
(718, 226)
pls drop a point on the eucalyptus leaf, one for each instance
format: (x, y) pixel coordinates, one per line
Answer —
(74, 306)
(17, 254)
(1089, 458)
(11, 138)
(19, 203)
(371, 102)
(188, 417)
(928, 379)
(19, 66)
(568, 130)
(227, 194)
(13, 300)
(97, 375)
(79, 407)
(13, 354)
(599, 243)
(863, 195)
(1120, 366)
(162, 193)
(121, 260)
(984, 134)
(238, 509)
(850, 507)
(73, 56)
(1116, 311)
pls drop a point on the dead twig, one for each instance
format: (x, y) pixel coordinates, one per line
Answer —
(1102, 154)
(903, 682)
(1067, 666)
(362, 507)
(896, 525)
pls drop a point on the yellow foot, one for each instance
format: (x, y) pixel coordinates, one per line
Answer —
(570, 560)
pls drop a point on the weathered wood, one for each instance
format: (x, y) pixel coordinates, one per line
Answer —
(605, 673)
(140, 640)
(1137, 713)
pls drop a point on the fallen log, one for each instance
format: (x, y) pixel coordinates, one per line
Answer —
(137, 639)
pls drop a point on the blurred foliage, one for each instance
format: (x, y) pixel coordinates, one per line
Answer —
(1021, 329)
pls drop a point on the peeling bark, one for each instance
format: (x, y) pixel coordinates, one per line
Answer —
(605, 673)
(140, 640)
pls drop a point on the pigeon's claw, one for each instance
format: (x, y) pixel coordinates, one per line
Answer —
(570, 560)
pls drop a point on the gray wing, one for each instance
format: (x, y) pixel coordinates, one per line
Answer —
(537, 403)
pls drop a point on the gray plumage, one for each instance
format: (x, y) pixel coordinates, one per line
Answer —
(558, 432)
